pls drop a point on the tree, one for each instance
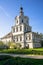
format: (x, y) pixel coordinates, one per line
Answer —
(12, 45)
(18, 45)
(1, 45)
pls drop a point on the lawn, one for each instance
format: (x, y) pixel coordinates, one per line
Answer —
(8, 60)
(36, 51)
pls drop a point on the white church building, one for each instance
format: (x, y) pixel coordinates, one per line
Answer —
(22, 33)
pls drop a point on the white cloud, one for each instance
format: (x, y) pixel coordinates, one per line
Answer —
(5, 12)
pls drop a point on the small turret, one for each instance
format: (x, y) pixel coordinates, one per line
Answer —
(21, 11)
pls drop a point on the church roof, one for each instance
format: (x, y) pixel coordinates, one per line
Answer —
(7, 35)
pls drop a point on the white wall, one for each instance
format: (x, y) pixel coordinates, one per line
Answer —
(18, 32)
(5, 40)
(20, 18)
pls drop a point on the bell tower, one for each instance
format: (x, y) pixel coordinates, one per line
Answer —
(21, 28)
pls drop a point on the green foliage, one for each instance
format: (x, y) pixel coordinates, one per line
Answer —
(14, 45)
(1, 43)
(16, 51)
(8, 60)
(11, 45)
(18, 45)
(23, 51)
(4, 57)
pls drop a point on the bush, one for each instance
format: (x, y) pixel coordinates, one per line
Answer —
(2, 45)
(4, 57)
(23, 51)
(13, 45)
(8, 60)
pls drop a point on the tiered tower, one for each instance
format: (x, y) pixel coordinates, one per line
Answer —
(20, 28)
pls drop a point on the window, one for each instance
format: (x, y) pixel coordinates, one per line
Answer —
(17, 38)
(27, 21)
(22, 21)
(20, 38)
(25, 28)
(14, 38)
(20, 28)
(16, 29)
(26, 38)
(13, 29)
(29, 37)
(17, 21)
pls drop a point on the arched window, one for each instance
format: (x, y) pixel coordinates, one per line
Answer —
(27, 21)
(22, 21)
(20, 28)
(29, 37)
(16, 29)
(20, 38)
(26, 38)
(17, 21)
(14, 38)
(17, 38)
(25, 28)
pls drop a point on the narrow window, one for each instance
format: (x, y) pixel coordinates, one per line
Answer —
(13, 29)
(25, 28)
(27, 21)
(26, 38)
(17, 21)
(22, 21)
(20, 38)
(17, 38)
(14, 38)
(16, 29)
(29, 37)
(20, 28)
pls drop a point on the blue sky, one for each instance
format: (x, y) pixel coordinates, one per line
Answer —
(10, 8)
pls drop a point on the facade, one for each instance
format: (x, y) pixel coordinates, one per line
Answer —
(22, 33)
(7, 38)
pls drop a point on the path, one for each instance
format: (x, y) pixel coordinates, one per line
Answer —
(24, 56)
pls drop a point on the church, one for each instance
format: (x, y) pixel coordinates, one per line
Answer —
(22, 33)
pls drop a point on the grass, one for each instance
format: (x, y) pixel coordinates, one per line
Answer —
(8, 60)
(36, 51)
